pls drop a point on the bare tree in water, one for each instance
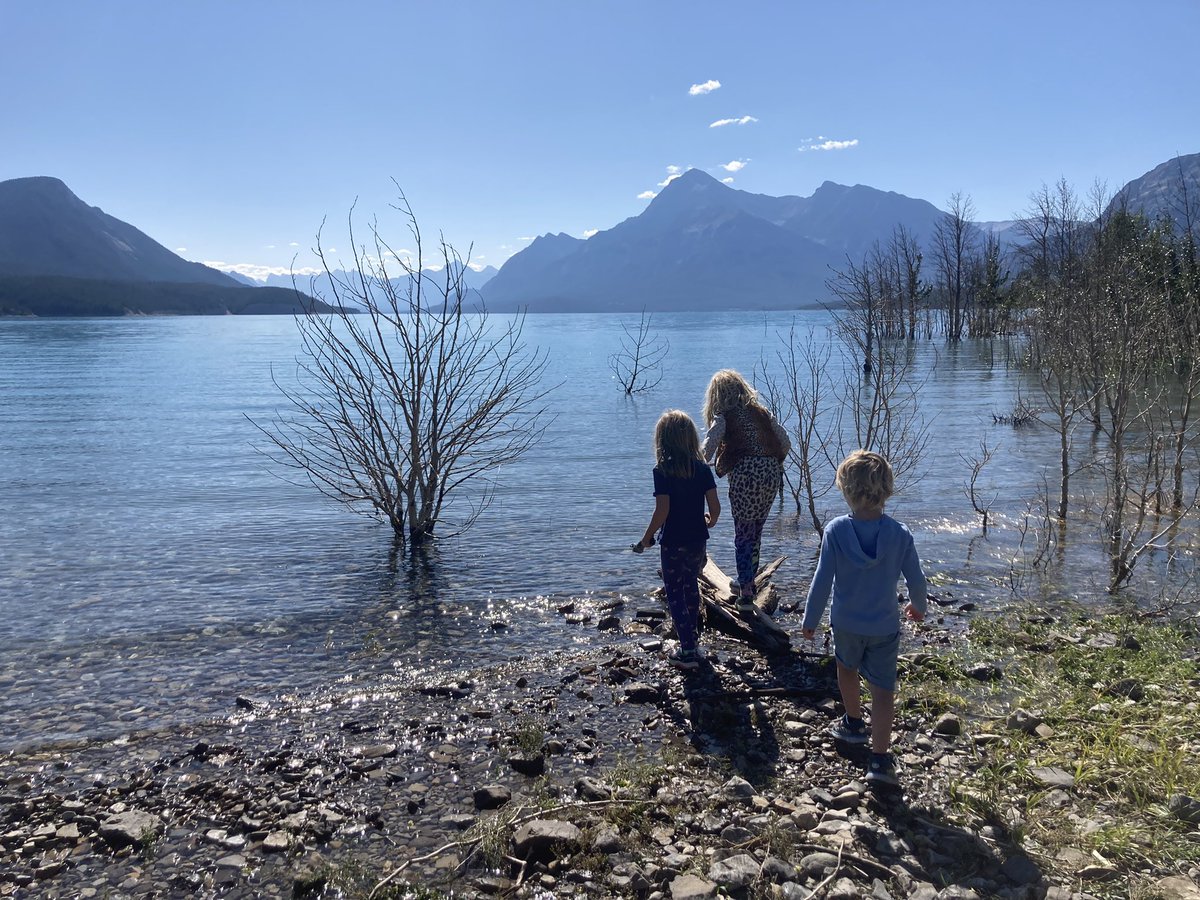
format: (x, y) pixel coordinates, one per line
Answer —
(407, 393)
(638, 364)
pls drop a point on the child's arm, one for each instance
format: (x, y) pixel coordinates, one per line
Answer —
(662, 506)
(712, 440)
(818, 590)
(914, 577)
(714, 507)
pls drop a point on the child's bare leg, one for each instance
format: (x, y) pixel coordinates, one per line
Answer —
(883, 710)
(848, 685)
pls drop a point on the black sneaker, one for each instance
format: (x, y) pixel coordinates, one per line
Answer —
(882, 770)
(849, 732)
(685, 659)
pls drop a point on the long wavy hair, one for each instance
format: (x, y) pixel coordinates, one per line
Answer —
(727, 390)
(676, 443)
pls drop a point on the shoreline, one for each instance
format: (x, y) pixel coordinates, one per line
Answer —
(661, 784)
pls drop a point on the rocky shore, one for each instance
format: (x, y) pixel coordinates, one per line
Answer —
(603, 772)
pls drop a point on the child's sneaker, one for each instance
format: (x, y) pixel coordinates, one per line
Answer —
(882, 770)
(850, 732)
(745, 599)
(685, 659)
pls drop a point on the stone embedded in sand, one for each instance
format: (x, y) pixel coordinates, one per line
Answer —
(130, 827)
(544, 839)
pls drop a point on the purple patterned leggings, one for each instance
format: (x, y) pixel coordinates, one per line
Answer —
(681, 570)
(747, 542)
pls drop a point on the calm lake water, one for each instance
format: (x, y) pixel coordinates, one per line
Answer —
(154, 566)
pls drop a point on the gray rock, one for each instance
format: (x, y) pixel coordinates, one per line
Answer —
(641, 692)
(843, 889)
(1023, 720)
(1177, 887)
(736, 834)
(736, 872)
(818, 864)
(778, 871)
(276, 842)
(985, 672)
(1020, 869)
(1052, 777)
(530, 764)
(545, 839)
(591, 789)
(789, 890)
(738, 788)
(692, 887)
(948, 724)
(879, 891)
(1181, 806)
(492, 796)
(129, 827)
(607, 840)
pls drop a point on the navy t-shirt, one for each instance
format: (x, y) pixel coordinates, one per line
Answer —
(685, 521)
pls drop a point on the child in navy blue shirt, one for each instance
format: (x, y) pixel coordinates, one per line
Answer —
(683, 486)
(863, 555)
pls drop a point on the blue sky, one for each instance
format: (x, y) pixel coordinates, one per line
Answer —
(228, 130)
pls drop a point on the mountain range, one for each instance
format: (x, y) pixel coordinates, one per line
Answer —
(59, 256)
(702, 245)
(698, 245)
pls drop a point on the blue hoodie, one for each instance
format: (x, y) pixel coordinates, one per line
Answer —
(861, 560)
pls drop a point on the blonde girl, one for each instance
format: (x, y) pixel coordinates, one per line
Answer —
(749, 446)
(683, 487)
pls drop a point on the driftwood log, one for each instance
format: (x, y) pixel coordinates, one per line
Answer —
(721, 613)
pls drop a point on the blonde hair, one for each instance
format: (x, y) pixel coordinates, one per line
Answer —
(866, 480)
(676, 443)
(727, 390)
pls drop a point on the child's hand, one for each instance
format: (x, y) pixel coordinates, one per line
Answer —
(913, 613)
(636, 547)
(809, 633)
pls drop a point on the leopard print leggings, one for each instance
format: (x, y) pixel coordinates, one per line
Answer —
(753, 485)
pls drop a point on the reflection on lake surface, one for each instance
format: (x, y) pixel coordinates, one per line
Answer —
(153, 567)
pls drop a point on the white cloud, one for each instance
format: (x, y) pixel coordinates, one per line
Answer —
(527, 238)
(294, 244)
(668, 180)
(727, 180)
(477, 267)
(181, 249)
(707, 88)
(744, 120)
(260, 273)
(674, 170)
(828, 144)
(590, 232)
(647, 195)
(735, 165)
(270, 247)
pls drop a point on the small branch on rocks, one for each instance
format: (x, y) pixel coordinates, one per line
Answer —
(832, 875)
(867, 865)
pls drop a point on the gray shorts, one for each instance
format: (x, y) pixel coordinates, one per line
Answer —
(873, 656)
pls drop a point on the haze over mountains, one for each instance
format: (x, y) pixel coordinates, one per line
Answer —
(699, 245)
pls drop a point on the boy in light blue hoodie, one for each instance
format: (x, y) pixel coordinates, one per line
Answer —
(863, 556)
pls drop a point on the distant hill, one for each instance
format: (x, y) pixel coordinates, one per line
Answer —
(61, 257)
(53, 295)
(1170, 190)
(46, 230)
(703, 245)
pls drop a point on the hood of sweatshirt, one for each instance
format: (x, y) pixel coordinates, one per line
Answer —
(847, 536)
